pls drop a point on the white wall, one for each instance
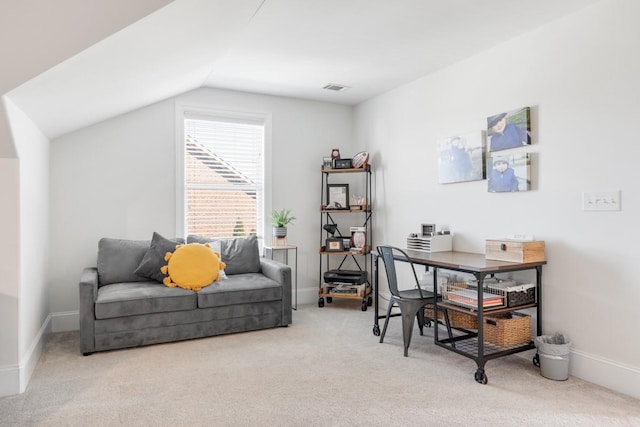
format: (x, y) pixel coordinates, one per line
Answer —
(117, 179)
(581, 76)
(24, 301)
(33, 151)
(9, 268)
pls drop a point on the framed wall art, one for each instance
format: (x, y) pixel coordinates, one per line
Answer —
(509, 129)
(508, 173)
(461, 158)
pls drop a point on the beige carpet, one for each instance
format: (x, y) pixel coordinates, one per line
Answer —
(327, 369)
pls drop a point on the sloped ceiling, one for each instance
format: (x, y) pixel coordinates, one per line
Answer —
(280, 47)
(36, 35)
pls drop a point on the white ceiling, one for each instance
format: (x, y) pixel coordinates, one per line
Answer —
(280, 47)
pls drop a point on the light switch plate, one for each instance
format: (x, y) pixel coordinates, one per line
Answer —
(601, 200)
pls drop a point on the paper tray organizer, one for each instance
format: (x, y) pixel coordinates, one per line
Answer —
(496, 293)
(465, 294)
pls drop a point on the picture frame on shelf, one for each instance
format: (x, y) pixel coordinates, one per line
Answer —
(327, 163)
(346, 243)
(342, 164)
(334, 244)
(337, 196)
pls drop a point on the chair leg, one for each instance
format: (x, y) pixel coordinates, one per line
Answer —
(407, 328)
(386, 320)
(420, 316)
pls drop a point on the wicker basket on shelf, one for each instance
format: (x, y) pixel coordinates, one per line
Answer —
(507, 329)
(457, 319)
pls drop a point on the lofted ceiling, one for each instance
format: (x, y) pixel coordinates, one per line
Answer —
(280, 47)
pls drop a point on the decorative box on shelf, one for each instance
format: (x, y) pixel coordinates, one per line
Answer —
(515, 250)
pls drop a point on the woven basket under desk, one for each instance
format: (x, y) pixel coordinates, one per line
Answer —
(457, 319)
(507, 329)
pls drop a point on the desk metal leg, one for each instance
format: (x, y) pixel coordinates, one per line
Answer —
(376, 327)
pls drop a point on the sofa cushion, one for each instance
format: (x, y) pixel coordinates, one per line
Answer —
(118, 260)
(153, 259)
(133, 298)
(240, 254)
(240, 289)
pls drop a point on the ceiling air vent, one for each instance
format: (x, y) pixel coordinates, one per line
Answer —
(336, 87)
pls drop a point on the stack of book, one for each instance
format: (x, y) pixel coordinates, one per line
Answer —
(469, 298)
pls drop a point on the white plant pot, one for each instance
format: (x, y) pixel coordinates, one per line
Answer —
(279, 232)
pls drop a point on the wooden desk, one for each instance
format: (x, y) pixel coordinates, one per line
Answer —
(470, 344)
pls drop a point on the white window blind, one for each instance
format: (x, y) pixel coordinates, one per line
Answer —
(224, 185)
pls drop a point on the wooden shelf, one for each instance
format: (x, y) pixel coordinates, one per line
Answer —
(365, 251)
(359, 209)
(465, 310)
(350, 170)
(360, 295)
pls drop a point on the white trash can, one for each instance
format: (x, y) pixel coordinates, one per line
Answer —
(553, 353)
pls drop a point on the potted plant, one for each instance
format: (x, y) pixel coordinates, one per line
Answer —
(280, 219)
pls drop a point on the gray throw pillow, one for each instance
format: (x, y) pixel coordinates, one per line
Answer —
(240, 254)
(154, 258)
(118, 260)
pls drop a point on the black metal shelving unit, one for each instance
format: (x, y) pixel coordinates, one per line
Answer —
(332, 216)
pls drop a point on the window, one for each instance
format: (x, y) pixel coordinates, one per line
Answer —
(223, 192)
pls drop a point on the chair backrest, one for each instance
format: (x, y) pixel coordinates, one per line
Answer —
(389, 255)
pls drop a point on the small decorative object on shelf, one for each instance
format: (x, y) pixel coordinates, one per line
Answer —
(358, 237)
(360, 160)
(327, 163)
(335, 154)
(330, 228)
(357, 202)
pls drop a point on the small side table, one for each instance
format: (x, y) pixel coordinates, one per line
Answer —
(269, 251)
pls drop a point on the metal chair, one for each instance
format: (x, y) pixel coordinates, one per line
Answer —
(411, 302)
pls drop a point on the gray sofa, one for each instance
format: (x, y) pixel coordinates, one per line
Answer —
(124, 304)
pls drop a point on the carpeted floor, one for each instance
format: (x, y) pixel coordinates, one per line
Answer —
(327, 369)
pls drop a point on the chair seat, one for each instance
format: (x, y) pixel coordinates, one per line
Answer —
(415, 294)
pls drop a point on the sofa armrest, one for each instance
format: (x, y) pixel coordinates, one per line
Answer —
(88, 289)
(280, 273)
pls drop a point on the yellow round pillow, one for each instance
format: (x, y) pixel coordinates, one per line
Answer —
(192, 266)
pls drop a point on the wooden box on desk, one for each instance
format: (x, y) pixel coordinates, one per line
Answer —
(515, 250)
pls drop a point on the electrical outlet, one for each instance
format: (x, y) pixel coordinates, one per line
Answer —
(601, 200)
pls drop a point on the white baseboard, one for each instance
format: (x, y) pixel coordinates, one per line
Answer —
(9, 380)
(30, 360)
(14, 379)
(65, 321)
(607, 373)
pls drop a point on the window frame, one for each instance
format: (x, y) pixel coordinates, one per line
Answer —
(206, 111)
